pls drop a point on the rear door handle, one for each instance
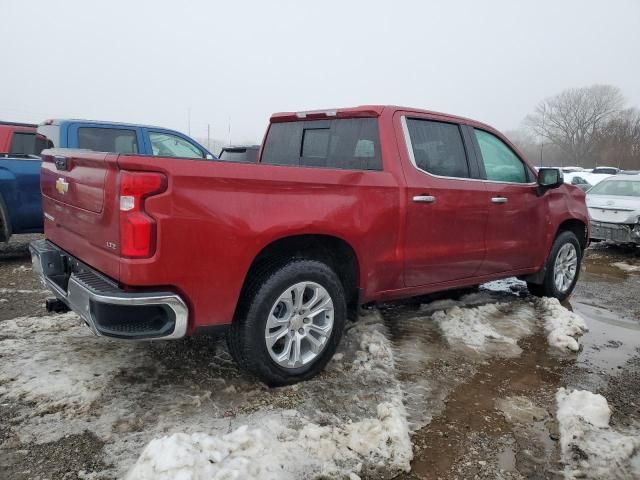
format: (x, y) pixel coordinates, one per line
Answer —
(499, 200)
(424, 199)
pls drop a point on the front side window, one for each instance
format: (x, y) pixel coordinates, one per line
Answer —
(24, 144)
(167, 145)
(438, 148)
(350, 143)
(116, 140)
(500, 163)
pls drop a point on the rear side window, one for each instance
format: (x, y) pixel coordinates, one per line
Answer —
(24, 143)
(167, 145)
(500, 163)
(116, 140)
(437, 148)
(350, 143)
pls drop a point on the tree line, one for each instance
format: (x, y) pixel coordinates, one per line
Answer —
(584, 127)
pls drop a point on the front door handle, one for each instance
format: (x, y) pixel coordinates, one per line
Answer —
(499, 200)
(424, 199)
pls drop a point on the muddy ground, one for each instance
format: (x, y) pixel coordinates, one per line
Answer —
(85, 407)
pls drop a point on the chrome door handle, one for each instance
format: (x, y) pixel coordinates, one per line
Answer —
(424, 199)
(499, 200)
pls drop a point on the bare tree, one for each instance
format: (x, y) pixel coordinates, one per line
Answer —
(618, 140)
(572, 118)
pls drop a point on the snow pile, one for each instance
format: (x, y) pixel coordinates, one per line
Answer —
(493, 328)
(289, 445)
(625, 267)
(508, 285)
(276, 451)
(56, 362)
(590, 448)
(561, 325)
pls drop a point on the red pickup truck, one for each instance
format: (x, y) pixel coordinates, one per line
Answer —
(343, 208)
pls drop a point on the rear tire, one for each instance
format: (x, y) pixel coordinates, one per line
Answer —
(301, 303)
(562, 268)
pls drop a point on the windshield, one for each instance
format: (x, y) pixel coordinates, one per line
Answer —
(624, 188)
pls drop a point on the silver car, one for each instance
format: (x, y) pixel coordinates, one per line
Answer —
(614, 209)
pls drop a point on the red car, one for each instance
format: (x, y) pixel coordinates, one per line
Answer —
(344, 207)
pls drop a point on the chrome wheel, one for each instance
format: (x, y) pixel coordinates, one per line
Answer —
(565, 267)
(299, 324)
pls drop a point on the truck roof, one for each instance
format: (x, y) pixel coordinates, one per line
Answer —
(18, 124)
(366, 111)
(59, 121)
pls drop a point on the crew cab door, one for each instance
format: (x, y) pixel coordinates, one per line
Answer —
(446, 211)
(517, 215)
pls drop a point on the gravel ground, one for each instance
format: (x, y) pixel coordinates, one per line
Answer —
(90, 405)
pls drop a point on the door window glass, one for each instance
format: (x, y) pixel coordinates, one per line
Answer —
(116, 140)
(438, 148)
(167, 145)
(500, 163)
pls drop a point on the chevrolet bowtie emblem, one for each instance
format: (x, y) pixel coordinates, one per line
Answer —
(62, 186)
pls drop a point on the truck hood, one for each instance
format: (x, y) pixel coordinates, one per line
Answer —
(613, 208)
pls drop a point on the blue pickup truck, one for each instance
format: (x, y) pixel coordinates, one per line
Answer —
(21, 144)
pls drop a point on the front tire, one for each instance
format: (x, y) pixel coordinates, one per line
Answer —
(562, 268)
(289, 323)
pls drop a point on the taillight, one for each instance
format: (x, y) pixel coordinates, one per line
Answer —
(137, 229)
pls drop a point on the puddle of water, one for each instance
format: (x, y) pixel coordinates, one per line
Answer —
(470, 411)
(611, 340)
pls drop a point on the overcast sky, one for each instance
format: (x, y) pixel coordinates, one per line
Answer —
(153, 61)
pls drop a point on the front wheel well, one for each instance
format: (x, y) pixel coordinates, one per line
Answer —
(578, 228)
(333, 251)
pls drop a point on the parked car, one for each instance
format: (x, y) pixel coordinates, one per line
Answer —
(18, 139)
(572, 169)
(577, 179)
(20, 200)
(606, 170)
(344, 208)
(240, 153)
(120, 138)
(614, 209)
(584, 180)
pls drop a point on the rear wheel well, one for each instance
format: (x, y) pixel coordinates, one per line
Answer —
(333, 251)
(578, 228)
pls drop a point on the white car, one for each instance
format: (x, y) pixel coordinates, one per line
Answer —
(614, 209)
(584, 180)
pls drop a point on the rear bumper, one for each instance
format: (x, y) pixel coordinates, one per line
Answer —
(615, 232)
(105, 308)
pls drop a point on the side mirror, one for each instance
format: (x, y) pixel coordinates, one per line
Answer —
(549, 178)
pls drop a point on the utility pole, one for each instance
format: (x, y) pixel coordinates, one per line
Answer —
(544, 111)
(209, 136)
(229, 130)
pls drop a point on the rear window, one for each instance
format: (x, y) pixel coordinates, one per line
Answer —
(114, 140)
(351, 143)
(247, 155)
(623, 188)
(24, 143)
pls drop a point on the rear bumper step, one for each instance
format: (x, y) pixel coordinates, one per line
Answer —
(108, 310)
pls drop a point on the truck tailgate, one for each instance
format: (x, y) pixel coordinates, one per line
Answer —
(79, 200)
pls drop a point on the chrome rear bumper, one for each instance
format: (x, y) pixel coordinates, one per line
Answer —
(105, 308)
